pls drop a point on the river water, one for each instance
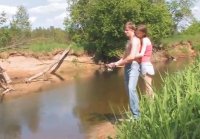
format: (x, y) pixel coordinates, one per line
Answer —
(71, 111)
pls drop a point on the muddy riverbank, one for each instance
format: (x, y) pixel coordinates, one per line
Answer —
(19, 67)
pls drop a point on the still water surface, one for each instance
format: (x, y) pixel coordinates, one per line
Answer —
(70, 111)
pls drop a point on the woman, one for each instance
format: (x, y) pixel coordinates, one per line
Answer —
(146, 66)
(131, 67)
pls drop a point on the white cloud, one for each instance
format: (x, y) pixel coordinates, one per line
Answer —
(50, 13)
(52, 7)
(32, 19)
(57, 21)
(196, 11)
(53, 1)
(9, 10)
(60, 17)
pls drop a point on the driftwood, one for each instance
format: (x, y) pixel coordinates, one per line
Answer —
(5, 81)
(51, 69)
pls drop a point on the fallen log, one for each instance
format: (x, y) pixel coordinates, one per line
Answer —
(4, 76)
(52, 68)
(5, 81)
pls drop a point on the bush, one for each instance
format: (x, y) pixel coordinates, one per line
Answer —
(99, 23)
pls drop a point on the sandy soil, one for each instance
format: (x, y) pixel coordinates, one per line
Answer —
(20, 68)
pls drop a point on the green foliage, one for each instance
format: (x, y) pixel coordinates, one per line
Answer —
(5, 36)
(20, 25)
(44, 46)
(190, 34)
(197, 47)
(56, 34)
(175, 112)
(21, 19)
(3, 18)
(19, 32)
(193, 29)
(99, 24)
(180, 38)
(181, 10)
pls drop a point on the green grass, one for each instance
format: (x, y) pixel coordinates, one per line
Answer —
(49, 46)
(46, 47)
(181, 38)
(175, 112)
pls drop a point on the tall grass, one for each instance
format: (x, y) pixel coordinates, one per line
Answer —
(49, 46)
(175, 112)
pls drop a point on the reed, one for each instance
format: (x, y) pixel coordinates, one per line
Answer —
(173, 114)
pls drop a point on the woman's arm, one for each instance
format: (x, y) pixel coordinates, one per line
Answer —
(145, 43)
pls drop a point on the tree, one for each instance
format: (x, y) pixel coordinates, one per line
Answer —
(99, 24)
(193, 29)
(21, 19)
(4, 31)
(181, 11)
(20, 24)
(3, 18)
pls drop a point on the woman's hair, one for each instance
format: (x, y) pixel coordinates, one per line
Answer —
(143, 29)
(130, 25)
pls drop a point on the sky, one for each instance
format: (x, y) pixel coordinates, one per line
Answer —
(42, 13)
(46, 13)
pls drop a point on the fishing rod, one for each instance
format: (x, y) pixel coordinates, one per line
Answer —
(109, 69)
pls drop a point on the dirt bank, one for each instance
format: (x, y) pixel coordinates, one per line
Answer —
(20, 67)
(174, 52)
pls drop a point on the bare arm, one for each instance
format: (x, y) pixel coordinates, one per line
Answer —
(145, 43)
(134, 50)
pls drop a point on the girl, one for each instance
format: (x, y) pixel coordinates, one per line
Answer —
(146, 67)
(131, 67)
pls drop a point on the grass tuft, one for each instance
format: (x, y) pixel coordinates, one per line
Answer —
(174, 113)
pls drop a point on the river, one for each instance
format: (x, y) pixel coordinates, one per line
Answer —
(71, 111)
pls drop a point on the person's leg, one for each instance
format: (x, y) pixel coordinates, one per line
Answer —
(147, 72)
(148, 85)
(133, 96)
(132, 84)
(126, 80)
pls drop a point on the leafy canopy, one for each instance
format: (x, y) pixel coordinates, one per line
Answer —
(98, 24)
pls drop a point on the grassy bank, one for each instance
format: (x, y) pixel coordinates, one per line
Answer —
(49, 46)
(42, 47)
(194, 38)
(175, 112)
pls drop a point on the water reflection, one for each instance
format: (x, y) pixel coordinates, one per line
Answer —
(99, 98)
(15, 113)
(69, 112)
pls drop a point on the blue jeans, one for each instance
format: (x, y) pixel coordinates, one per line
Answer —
(131, 72)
